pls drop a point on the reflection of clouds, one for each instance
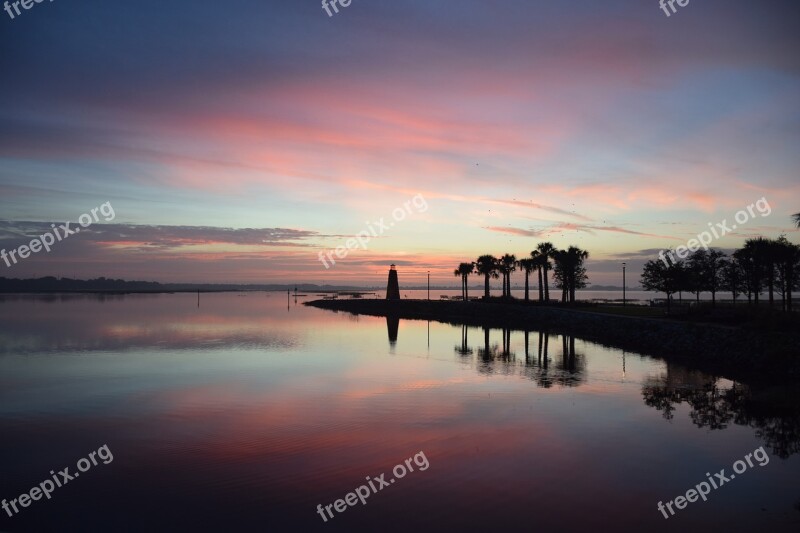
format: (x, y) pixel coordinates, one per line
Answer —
(100, 323)
(296, 429)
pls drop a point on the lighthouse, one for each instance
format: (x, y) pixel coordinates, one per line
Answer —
(393, 287)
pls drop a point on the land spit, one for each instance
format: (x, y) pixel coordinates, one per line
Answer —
(736, 353)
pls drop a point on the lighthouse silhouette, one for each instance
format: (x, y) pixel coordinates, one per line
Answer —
(393, 287)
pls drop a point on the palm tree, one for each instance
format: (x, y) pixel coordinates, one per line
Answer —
(487, 265)
(527, 265)
(539, 261)
(508, 264)
(569, 271)
(796, 218)
(464, 270)
(546, 250)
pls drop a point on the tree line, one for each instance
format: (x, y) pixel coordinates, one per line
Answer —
(567, 266)
(762, 264)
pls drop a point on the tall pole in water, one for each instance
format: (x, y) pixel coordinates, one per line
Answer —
(429, 284)
(623, 285)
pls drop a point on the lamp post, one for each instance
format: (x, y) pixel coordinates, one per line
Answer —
(623, 285)
(429, 284)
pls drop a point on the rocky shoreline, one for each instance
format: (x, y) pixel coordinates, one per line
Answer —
(736, 353)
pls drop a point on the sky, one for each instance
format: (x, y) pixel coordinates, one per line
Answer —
(239, 141)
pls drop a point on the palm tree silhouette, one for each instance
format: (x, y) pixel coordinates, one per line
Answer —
(796, 218)
(546, 250)
(507, 264)
(464, 270)
(539, 261)
(570, 271)
(487, 265)
(527, 265)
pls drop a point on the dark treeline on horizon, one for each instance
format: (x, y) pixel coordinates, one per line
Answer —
(101, 284)
(761, 266)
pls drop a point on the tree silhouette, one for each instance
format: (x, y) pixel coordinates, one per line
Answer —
(464, 270)
(546, 250)
(787, 256)
(761, 253)
(569, 271)
(487, 265)
(659, 277)
(507, 264)
(527, 265)
(540, 261)
(733, 278)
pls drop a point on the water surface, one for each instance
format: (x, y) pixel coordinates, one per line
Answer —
(248, 411)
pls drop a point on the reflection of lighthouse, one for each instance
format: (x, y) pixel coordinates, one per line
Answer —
(393, 287)
(392, 325)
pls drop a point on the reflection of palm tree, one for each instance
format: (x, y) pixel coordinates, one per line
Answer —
(485, 354)
(486, 349)
(464, 350)
(464, 270)
(487, 265)
(573, 366)
(544, 340)
(506, 353)
(526, 347)
(544, 357)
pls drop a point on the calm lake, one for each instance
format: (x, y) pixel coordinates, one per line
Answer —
(249, 411)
